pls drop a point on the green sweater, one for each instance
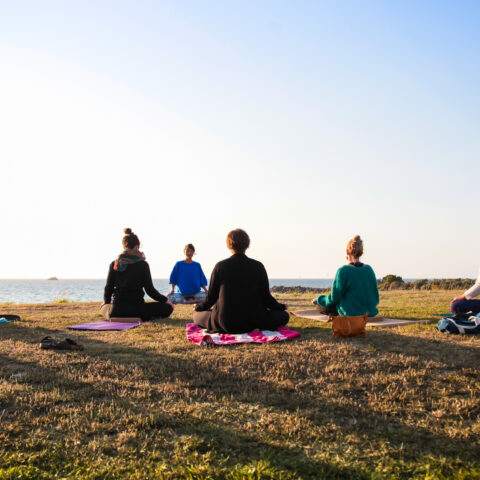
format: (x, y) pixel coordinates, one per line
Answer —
(354, 291)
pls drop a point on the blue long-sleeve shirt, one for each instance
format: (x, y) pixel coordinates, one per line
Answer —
(189, 277)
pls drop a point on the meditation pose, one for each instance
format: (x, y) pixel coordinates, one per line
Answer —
(239, 294)
(128, 276)
(465, 303)
(190, 279)
(354, 290)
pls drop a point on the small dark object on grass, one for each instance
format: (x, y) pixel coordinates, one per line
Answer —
(10, 318)
(49, 343)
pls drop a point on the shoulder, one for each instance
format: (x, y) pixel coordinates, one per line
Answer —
(345, 270)
(256, 263)
(256, 267)
(369, 269)
(226, 264)
(141, 265)
(221, 265)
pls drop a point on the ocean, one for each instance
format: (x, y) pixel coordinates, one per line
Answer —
(84, 290)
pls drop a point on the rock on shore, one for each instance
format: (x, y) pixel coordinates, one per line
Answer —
(297, 289)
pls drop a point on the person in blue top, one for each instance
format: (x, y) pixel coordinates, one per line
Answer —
(188, 276)
(354, 290)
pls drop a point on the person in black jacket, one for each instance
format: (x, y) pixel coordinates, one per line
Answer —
(239, 294)
(128, 276)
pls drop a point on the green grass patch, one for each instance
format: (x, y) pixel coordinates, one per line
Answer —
(143, 404)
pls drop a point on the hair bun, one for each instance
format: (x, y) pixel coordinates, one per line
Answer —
(127, 231)
(355, 247)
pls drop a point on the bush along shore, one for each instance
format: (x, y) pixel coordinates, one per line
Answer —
(391, 282)
(394, 282)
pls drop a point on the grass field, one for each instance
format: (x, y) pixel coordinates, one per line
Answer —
(146, 404)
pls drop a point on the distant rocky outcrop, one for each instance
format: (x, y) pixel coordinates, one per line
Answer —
(297, 289)
(53, 278)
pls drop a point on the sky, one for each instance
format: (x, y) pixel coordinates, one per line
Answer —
(302, 122)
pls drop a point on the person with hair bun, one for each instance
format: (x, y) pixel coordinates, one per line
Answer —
(190, 279)
(354, 290)
(238, 298)
(128, 277)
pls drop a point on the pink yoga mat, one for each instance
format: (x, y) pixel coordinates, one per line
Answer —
(104, 325)
(196, 335)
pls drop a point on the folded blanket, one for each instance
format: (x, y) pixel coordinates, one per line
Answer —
(196, 335)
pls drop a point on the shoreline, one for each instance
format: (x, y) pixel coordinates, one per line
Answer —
(429, 299)
(63, 291)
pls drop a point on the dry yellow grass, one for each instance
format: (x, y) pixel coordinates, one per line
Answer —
(145, 403)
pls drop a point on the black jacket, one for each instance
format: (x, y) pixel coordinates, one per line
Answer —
(239, 294)
(127, 286)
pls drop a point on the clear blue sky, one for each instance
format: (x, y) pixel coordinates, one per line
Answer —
(303, 122)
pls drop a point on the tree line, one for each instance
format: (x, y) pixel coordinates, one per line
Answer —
(392, 282)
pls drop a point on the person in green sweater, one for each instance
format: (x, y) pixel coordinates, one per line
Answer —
(354, 290)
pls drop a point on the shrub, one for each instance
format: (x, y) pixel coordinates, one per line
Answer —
(390, 278)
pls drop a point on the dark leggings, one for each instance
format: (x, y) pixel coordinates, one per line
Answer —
(275, 319)
(465, 306)
(146, 311)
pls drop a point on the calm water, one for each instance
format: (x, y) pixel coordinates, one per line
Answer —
(43, 291)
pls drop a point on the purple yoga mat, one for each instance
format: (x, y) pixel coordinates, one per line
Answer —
(104, 325)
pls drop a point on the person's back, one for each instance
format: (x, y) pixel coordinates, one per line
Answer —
(241, 303)
(360, 291)
(354, 290)
(128, 285)
(239, 294)
(128, 277)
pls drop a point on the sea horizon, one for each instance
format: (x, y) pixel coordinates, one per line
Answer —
(18, 290)
(21, 290)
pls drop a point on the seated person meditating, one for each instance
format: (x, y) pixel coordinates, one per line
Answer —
(354, 290)
(189, 277)
(465, 303)
(127, 277)
(239, 295)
